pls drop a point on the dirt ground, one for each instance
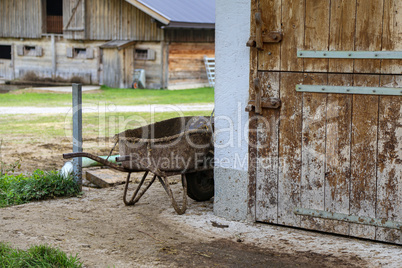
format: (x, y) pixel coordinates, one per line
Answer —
(106, 233)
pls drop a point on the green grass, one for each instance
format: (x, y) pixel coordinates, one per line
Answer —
(115, 96)
(20, 189)
(94, 124)
(36, 256)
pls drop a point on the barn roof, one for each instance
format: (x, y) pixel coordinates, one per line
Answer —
(179, 13)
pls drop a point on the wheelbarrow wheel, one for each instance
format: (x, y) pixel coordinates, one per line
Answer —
(200, 185)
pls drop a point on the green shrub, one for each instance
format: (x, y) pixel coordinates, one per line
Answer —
(19, 189)
(36, 256)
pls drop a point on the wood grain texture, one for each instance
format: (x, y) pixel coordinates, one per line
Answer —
(290, 145)
(293, 12)
(271, 18)
(369, 18)
(342, 33)
(316, 35)
(389, 166)
(186, 62)
(392, 35)
(364, 156)
(117, 19)
(21, 19)
(253, 120)
(313, 151)
(268, 154)
(337, 171)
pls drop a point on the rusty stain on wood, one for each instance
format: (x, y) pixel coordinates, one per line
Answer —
(369, 16)
(290, 145)
(316, 33)
(337, 173)
(389, 166)
(342, 33)
(269, 59)
(363, 155)
(268, 158)
(293, 13)
(392, 35)
(313, 151)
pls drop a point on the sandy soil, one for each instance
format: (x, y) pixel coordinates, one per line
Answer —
(106, 233)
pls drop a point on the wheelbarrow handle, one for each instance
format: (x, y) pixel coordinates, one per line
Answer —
(96, 158)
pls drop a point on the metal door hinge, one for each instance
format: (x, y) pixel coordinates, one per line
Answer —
(258, 103)
(267, 103)
(392, 55)
(262, 37)
(386, 91)
(271, 37)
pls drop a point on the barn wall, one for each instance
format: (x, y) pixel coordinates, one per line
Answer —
(32, 67)
(119, 20)
(189, 35)
(186, 64)
(100, 19)
(21, 19)
(231, 96)
(153, 68)
(119, 65)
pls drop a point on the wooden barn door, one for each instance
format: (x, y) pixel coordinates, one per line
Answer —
(330, 157)
(6, 62)
(74, 19)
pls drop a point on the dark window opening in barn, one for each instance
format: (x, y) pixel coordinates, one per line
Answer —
(5, 52)
(29, 50)
(141, 54)
(54, 16)
(80, 53)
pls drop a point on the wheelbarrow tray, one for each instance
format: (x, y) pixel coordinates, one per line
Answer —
(177, 145)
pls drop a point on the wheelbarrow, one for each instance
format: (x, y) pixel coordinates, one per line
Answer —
(178, 146)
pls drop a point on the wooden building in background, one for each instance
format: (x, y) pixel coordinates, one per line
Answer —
(104, 41)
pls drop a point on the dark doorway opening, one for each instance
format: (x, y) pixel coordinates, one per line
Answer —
(5, 52)
(54, 16)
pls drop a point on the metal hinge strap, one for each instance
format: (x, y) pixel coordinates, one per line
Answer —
(348, 218)
(267, 103)
(271, 37)
(396, 55)
(350, 90)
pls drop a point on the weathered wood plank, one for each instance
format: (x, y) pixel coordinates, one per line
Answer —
(389, 166)
(269, 58)
(268, 154)
(337, 171)
(253, 119)
(368, 33)
(186, 62)
(293, 26)
(342, 33)
(364, 156)
(290, 132)
(392, 35)
(105, 177)
(116, 19)
(20, 19)
(316, 33)
(313, 151)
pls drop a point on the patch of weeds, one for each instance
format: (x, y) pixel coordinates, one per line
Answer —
(36, 256)
(4, 168)
(19, 189)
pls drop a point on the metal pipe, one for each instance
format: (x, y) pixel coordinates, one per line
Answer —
(348, 218)
(77, 131)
